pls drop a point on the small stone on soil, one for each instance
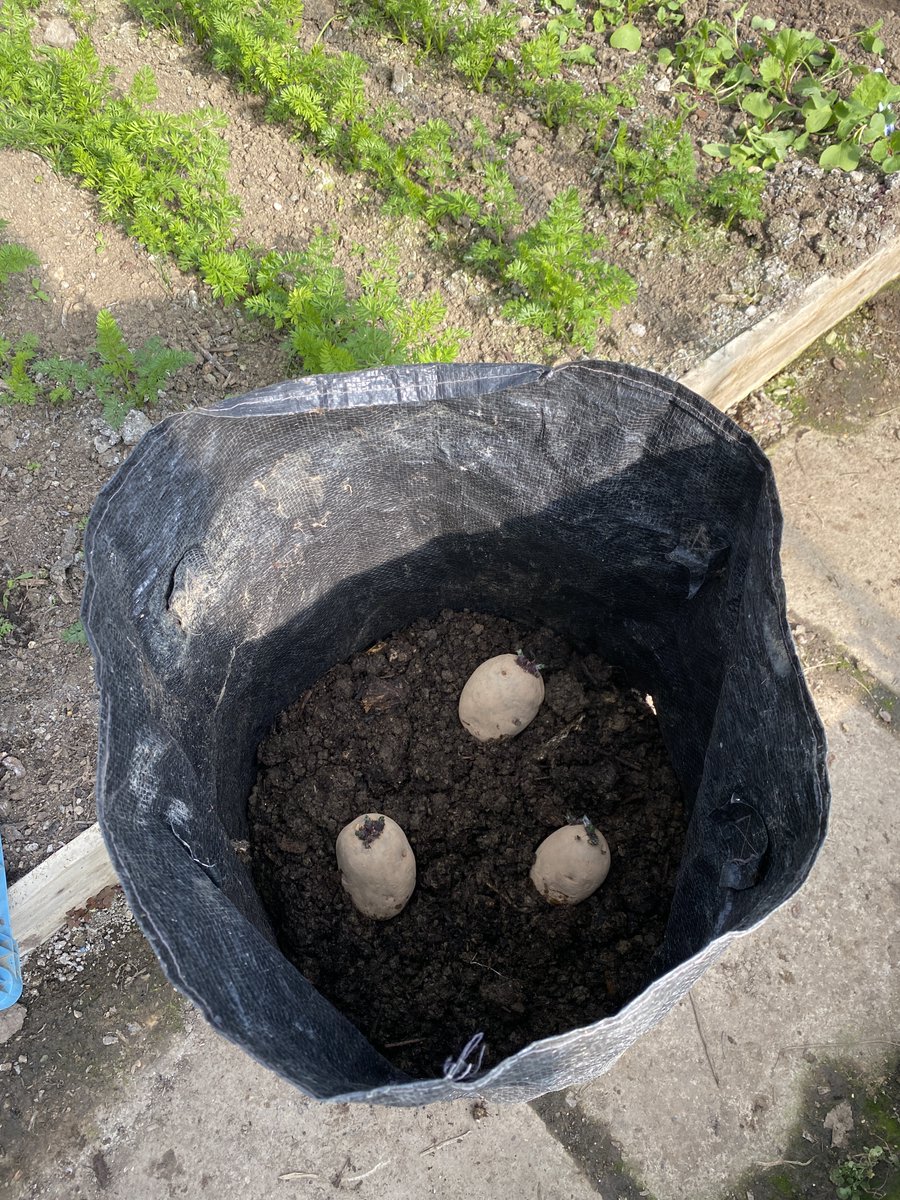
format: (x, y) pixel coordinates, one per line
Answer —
(11, 1021)
(59, 34)
(401, 79)
(135, 425)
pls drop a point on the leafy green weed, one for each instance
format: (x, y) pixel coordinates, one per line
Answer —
(16, 384)
(858, 1177)
(657, 165)
(74, 634)
(791, 87)
(418, 175)
(565, 287)
(120, 378)
(15, 258)
(162, 176)
(306, 294)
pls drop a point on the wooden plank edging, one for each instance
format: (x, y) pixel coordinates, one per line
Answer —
(749, 360)
(66, 880)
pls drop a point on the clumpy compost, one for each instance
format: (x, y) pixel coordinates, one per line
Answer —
(476, 950)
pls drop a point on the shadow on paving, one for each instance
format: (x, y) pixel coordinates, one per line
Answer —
(845, 1145)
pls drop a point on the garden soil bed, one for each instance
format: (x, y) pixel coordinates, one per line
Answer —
(696, 289)
(476, 950)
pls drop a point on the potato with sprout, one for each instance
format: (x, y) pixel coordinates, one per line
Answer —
(571, 863)
(377, 865)
(501, 697)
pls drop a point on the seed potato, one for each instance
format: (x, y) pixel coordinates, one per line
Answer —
(570, 864)
(501, 697)
(377, 865)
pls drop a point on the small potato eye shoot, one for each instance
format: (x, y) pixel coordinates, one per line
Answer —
(377, 865)
(571, 864)
(501, 697)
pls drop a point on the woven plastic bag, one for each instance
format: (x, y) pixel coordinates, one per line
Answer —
(243, 550)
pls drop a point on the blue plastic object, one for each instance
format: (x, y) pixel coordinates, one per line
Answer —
(10, 970)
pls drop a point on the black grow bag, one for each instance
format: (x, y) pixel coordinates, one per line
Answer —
(243, 550)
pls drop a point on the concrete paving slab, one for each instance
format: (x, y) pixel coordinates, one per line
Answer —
(819, 979)
(841, 554)
(209, 1121)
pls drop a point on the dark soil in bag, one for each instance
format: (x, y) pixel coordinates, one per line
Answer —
(476, 950)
